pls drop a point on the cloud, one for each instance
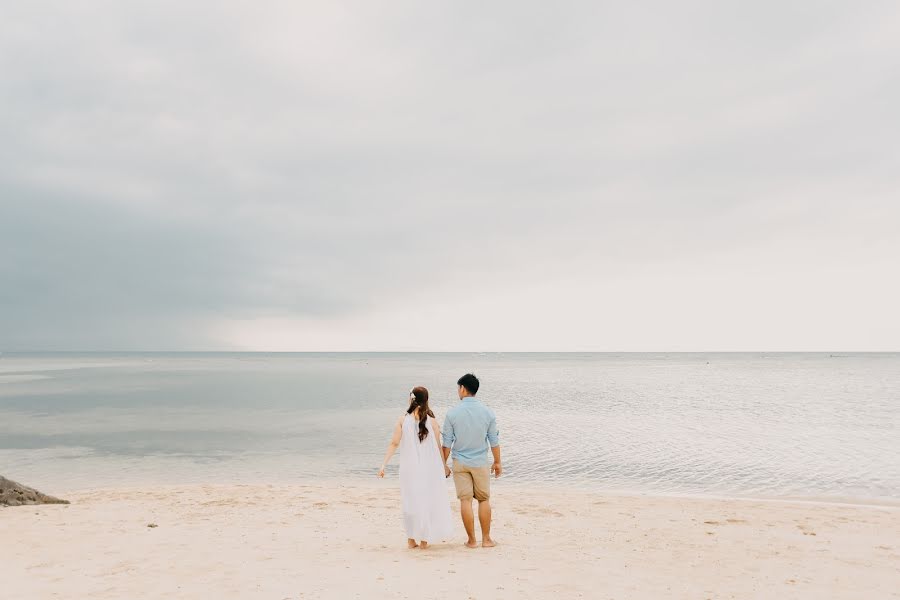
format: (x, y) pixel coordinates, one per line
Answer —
(408, 176)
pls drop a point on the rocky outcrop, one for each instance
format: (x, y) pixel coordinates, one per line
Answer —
(16, 494)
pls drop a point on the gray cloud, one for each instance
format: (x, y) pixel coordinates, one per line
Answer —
(166, 170)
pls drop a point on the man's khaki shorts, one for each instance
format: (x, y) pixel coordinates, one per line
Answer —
(472, 482)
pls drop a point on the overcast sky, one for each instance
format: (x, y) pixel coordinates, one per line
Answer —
(449, 175)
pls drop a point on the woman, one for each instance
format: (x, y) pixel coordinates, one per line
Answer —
(426, 510)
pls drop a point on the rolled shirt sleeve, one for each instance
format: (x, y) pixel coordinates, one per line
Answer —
(448, 436)
(493, 435)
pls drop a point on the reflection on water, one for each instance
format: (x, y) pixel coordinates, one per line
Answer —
(750, 424)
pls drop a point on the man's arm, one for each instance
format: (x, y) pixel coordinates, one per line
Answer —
(437, 440)
(448, 436)
(497, 468)
(493, 436)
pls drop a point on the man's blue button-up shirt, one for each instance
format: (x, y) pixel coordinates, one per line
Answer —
(470, 430)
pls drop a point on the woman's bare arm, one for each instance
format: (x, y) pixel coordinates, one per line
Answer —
(392, 446)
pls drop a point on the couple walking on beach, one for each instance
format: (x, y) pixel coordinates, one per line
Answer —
(469, 433)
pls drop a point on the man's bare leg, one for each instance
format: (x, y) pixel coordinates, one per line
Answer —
(484, 517)
(411, 543)
(468, 518)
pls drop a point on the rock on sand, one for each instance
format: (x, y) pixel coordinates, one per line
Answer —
(16, 494)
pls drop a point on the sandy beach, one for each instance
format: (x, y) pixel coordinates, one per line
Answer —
(345, 541)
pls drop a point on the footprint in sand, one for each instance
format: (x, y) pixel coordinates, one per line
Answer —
(732, 521)
(320, 504)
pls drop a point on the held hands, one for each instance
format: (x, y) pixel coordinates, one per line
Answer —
(446, 472)
(497, 469)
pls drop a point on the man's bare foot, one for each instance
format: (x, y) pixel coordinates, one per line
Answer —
(411, 543)
(423, 544)
(488, 543)
(471, 544)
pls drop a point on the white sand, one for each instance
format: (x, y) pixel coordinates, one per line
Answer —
(341, 542)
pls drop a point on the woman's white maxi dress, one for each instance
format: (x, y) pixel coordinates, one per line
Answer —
(423, 487)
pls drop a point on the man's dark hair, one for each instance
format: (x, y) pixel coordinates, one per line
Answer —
(470, 382)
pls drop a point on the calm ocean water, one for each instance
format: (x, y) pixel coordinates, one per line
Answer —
(814, 425)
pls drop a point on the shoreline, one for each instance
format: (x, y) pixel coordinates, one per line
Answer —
(345, 540)
(516, 486)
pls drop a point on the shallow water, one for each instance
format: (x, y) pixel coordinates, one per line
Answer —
(747, 424)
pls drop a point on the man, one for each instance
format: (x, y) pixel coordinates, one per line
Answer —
(470, 428)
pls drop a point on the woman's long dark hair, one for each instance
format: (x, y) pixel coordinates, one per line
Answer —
(418, 399)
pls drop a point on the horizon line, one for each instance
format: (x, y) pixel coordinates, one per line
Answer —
(107, 351)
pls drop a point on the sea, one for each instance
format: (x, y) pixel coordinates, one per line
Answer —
(822, 426)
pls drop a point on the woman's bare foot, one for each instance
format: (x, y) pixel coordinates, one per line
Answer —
(423, 544)
(471, 544)
(411, 543)
(488, 543)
